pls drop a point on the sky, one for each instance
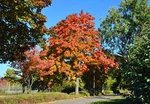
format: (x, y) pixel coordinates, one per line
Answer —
(62, 8)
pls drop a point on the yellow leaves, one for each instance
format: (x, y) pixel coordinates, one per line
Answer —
(69, 66)
(73, 78)
(41, 78)
(53, 68)
(51, 80)
(46, 58)
(67, 73)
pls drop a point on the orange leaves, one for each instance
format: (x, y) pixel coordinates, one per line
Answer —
(72, 38)
(72, 47)
(41, 78)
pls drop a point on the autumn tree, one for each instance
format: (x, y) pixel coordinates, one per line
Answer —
(21, 26)
(28, 76)
(73, 45)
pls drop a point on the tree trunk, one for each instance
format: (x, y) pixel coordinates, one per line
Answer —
(103, 88)
(93, 82)
(23, 88)
(77, 86)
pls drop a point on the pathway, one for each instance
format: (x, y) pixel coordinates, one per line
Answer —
(89, 100)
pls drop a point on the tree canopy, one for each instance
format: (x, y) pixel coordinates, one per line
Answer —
(21, 26)
(121, 26)
(72, 46)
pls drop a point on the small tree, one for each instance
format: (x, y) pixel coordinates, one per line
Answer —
(27, 74)
(11, 76)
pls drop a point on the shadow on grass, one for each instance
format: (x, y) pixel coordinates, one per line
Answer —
(115, 101)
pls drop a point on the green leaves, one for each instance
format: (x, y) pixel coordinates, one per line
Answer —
(126, 31)
(122, 25)
(138, 71)
(21, 26)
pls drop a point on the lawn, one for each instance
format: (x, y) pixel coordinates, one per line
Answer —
(37, 97)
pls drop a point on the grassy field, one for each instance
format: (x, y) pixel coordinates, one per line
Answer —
(36, 97)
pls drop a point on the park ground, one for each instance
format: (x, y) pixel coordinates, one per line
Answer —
(57, 98)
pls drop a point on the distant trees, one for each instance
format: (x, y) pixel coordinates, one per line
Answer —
(11, 76)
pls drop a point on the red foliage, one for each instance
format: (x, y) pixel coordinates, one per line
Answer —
(73, 46)
(3, 82)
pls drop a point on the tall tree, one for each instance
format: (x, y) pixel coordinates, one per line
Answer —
(121, 26)
(73, 45)
(21, 25)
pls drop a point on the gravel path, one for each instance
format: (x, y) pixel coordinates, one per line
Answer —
(88, 100)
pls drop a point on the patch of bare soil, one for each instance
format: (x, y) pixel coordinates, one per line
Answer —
(27, 101)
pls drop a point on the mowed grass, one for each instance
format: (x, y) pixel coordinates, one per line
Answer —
(35, 98)
(114, 101)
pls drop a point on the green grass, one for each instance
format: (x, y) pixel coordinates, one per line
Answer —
(114, 101)
(81, 94)
(37, 97)
(34, 98)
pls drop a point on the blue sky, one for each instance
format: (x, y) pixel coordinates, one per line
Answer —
(62, 8)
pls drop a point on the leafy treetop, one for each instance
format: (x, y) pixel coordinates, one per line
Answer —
(21, 26)
(72, 46)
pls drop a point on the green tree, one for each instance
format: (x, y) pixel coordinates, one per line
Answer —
(122, 26)
(21, 26)
(11, 76)
(138, 74)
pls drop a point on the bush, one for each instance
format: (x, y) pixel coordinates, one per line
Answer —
(69, 89)
(109, 83)
(66, 86)
(84, 93)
